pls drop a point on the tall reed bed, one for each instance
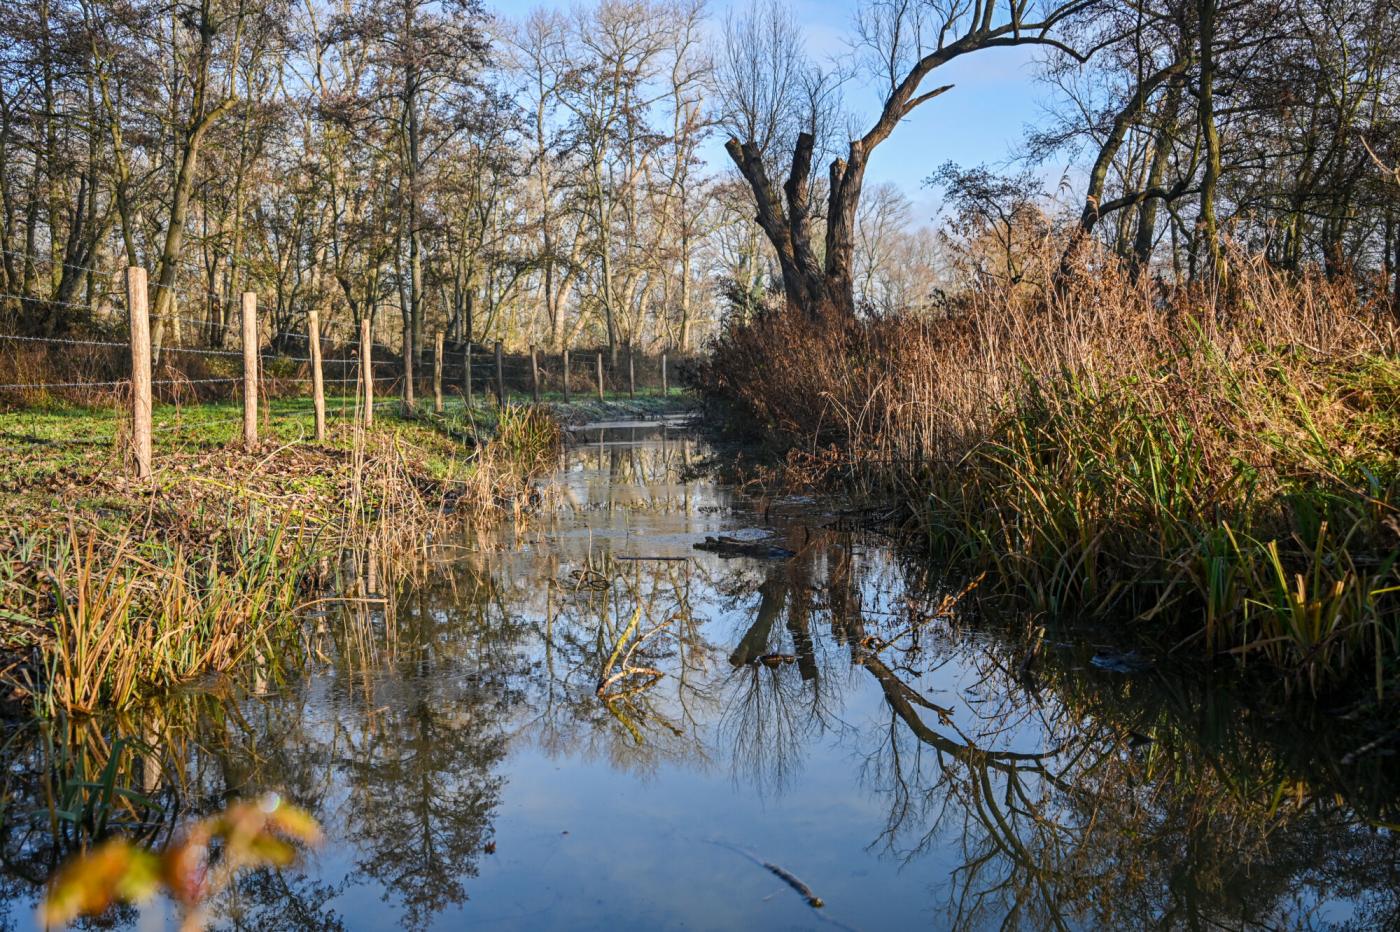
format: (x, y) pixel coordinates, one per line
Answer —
(1224, 471)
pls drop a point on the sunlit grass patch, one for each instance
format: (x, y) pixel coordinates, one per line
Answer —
(118, 588)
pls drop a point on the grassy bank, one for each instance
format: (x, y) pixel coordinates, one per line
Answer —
(1219, 473)
(114, 588)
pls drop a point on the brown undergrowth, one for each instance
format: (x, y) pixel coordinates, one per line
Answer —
(1219, 470)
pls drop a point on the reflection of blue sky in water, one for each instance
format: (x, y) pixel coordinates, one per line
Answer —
(476, 725)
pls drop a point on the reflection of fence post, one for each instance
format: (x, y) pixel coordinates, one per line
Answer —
(318, 386)
(631, 372)
(467, 374)
(534, 374)
(408, 368)
(664, 389)
(437, 372)
(566, 375)
(250, 369)
(600, 376)
(500, 377)
(367, 371)
(140, 323)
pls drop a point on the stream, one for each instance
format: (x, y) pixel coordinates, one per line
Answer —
(816, 720)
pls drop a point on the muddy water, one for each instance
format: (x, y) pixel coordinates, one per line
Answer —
(808, 722)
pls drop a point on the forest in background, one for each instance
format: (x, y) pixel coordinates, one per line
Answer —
(558, 180)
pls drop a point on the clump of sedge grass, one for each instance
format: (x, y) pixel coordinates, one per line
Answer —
(110, 620)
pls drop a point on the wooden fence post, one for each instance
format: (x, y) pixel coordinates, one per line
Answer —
(318, 385)
(566, 375)
(140, 323)
(664, 389)
(467, 375)
(408, 369)
(631, 372)
(437, 373)
(534, 374)
(500, 378)
(250, 370)
(367, 372)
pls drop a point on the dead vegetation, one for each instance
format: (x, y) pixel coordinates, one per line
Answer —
(114, 588)
(1221, 469)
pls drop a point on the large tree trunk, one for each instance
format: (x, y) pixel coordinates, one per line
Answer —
(804, 281)
(1161, 157)
(1209, 227)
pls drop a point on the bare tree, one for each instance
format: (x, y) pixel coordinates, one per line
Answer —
(904, 43)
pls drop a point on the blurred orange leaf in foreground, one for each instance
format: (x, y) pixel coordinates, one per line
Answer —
(257, 833)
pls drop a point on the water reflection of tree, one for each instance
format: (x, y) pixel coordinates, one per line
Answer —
(419, 766)
(402, 763)
(421, 797)
(1088, 801)
(1106, 828)
(772, 710)
(580, 630)
(622, 476)
(1133, 807)
(279, 899)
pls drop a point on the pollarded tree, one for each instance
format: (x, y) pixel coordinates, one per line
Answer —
(904, 42)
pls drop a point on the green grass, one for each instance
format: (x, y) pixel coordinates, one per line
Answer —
(113, 588)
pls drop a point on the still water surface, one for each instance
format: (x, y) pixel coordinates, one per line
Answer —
(468, 775)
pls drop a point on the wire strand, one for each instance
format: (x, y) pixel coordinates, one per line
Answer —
(62, 341)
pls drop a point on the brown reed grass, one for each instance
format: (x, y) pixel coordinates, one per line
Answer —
(1220, 469)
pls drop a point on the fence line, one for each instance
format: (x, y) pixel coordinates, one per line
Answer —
(54, 301)
(448, 368)
(49, 260)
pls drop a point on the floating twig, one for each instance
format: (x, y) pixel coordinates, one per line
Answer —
(787, 876)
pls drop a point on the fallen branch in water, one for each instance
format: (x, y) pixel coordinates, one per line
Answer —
(620, 666)
(734, 547)
(651, 673)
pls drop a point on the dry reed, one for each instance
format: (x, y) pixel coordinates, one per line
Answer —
(1221, 469)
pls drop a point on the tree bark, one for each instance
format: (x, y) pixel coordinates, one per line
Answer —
(1210, 133)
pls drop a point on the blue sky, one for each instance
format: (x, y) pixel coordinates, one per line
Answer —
(981, 120)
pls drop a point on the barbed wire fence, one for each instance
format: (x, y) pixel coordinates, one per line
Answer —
(292, 366)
